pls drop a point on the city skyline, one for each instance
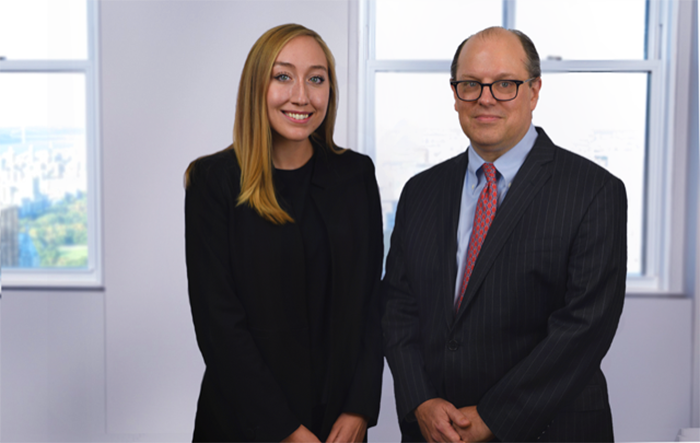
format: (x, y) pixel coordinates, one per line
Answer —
(43, 185)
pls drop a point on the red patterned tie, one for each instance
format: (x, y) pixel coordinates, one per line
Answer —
(485, 212)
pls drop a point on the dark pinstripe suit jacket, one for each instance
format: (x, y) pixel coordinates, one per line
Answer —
(542, 305)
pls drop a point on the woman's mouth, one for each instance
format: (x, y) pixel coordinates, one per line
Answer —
(297, 116)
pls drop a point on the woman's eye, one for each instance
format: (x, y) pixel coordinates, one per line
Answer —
(282, 77)
(317, 79)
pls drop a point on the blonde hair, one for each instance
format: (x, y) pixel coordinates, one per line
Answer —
(252, 135)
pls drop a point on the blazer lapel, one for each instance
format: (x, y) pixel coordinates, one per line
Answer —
(533, 174)
(321, 191)
(320, 180)
(450, 203)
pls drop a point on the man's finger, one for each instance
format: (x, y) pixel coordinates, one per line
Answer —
(458, 418)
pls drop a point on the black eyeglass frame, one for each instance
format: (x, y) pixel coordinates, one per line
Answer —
(454, 84)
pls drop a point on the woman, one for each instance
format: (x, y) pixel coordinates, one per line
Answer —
(284, 253)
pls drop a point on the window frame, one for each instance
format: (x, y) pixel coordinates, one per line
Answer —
(662, 245)
(90, 277)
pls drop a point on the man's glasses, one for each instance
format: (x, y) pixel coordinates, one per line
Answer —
(502, 90)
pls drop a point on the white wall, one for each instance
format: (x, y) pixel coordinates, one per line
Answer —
(121, 364)
(169, 79)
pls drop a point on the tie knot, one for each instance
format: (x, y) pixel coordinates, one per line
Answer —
(489, 172)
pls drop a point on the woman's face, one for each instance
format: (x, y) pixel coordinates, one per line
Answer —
(297, 98)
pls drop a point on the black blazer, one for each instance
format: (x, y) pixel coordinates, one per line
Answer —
(541, 308)
(246, 283)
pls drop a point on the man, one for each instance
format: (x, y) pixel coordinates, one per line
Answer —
(506, 274)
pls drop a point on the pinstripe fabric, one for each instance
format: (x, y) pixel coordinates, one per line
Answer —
(541, 308)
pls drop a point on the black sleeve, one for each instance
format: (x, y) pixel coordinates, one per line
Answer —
(365, 391)
(243, 392)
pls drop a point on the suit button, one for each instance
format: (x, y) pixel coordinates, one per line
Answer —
(453, 345)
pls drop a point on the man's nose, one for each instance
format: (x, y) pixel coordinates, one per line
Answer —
(487, 97)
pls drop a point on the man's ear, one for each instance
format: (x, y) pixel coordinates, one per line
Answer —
(535, 86)
(454, 94)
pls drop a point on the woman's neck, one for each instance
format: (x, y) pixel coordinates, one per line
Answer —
(287, 154)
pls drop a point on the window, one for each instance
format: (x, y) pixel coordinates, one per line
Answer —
(604, 90)
(48, 143)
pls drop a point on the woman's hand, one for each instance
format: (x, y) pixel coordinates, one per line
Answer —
(348, 428)
(301, 435)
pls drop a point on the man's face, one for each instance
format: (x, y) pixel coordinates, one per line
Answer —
(494, 127)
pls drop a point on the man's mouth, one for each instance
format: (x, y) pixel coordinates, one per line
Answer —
(487, 118)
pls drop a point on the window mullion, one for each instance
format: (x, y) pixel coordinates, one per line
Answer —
(93, 159)
(45, 66)
(509, 14)
(600, 65)
(409, 65)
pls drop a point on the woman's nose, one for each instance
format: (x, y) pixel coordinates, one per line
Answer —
(300, 93)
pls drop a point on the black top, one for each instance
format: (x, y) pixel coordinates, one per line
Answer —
(248, 294)
(293, 188)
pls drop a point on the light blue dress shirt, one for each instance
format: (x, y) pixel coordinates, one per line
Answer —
(507, 166)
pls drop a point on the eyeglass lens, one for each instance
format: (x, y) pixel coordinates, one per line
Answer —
(503, 90)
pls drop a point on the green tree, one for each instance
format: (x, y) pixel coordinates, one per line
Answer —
(60, 234)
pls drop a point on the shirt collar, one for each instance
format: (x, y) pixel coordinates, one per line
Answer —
(509, 163)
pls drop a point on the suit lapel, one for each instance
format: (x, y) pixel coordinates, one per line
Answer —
(324, 195)
(325, 190)
(321, 178)
(450, 203)
(533, 174)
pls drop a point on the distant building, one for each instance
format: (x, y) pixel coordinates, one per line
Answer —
(28, 255)
(9, 236)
